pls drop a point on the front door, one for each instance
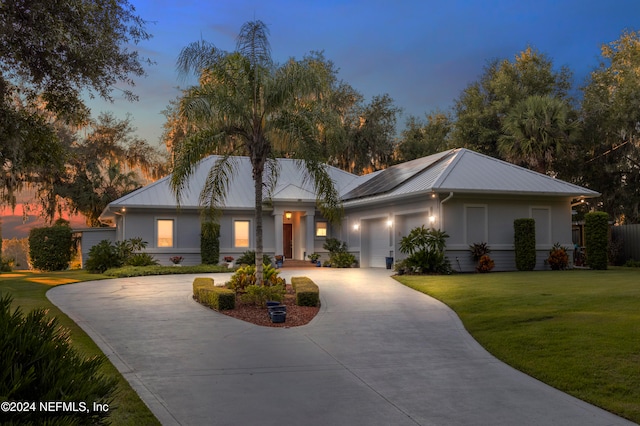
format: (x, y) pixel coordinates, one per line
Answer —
(287, 240)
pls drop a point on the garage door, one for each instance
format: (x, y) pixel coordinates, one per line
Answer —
(377, 242)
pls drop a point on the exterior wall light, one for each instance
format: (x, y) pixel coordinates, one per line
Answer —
(287, 215)
(389, 223)
(356, 226)
(432, 219)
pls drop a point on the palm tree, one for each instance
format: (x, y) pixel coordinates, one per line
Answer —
(535, 131)
(246, 104)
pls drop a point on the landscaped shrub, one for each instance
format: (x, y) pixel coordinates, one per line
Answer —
(334, 245)
(245, 276)
(485, 264)
(342, 260)
(6, 264)
(524, 232)
(259, 294)
(39, 364)
(141, 259)
(105, 255)
(480, 253)
(307, 292)
(632, 263)
(425, 248)
(140, 271)
(478, 250)
(339, 257)
(210, 242)
(249, 258)
(51, 248)
(596, 226)
(558, 258)
(218, 298)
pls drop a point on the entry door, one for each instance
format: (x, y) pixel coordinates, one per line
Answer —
(287, 240)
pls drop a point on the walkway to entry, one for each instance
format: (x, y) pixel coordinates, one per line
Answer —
(378, 353)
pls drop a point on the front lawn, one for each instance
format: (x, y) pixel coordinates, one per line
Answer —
(578, 331)
(28, 290)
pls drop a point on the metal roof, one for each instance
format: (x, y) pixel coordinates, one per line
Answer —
(457, 170)
(293, 184)
(465, 171)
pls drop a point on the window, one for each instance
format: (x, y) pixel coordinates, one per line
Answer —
(241, 233)
(321, 229)
(164, 228)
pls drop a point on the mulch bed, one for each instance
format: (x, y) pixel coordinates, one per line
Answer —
(296, 315)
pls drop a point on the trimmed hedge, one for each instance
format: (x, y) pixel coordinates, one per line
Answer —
(51, 248)
(596, 227)
(307, 292)
(218, 298)
(524, 233)
(210, 242)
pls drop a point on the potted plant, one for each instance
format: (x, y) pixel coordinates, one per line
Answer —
(176, 260)
(229, 260)
(279, 260)
(314, 257)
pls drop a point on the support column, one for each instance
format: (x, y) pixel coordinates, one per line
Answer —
(278, 246)
(310, 234)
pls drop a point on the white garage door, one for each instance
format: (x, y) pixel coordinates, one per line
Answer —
(377, 238)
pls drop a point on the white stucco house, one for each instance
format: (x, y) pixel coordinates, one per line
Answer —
(472, 197)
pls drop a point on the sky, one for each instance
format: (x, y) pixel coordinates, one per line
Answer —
(423, 53)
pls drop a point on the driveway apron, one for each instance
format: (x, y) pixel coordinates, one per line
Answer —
(378, 353)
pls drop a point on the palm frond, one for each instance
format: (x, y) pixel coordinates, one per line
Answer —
(327, 196)
(196, 57)
(272, 173)
(186, 157)
(253, 42)
(216, 185)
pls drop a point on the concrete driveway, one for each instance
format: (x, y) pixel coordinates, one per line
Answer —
(378, 353)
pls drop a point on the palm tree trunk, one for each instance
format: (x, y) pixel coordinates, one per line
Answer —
(258, 180)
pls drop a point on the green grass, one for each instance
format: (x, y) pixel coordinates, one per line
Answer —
(578, 331)
(28, 291)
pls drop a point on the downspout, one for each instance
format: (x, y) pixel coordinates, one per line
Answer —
(450, 196)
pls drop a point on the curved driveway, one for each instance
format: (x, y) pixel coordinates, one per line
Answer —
(378, 353)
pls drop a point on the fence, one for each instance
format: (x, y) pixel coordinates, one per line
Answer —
(629, 237)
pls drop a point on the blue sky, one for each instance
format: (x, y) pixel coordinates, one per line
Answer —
(422, 53)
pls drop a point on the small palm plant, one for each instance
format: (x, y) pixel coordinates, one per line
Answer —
(480, 253)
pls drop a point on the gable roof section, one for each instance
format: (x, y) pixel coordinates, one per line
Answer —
(292, 184)
(462, 170)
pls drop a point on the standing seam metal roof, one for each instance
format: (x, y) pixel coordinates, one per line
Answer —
(458, 170)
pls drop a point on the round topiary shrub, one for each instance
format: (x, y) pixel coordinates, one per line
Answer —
(51, 248)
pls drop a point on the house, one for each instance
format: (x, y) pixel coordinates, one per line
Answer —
(472, 197)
